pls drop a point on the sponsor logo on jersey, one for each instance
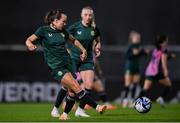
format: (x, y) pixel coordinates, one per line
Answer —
(50, 34)
(79, 32)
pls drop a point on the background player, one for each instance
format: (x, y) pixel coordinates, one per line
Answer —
(157, 69)
(132, 67)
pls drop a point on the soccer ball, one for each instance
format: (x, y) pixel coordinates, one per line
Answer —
(143, 105)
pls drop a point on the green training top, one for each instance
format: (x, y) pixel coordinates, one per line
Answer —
(86, 36)
(132, 61)
(53, 43)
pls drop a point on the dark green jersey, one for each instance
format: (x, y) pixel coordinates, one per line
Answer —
(85, 35)
(132, 61)
(53, 43)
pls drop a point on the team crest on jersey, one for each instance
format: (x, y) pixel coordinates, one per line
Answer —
(92, 33)
(60, 73)
(50, 34)
(63, 35)
(79, 32)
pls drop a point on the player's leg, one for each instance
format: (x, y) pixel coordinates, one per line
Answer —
(147, 86)
(167, 86)
(136, 80)
(69, 82)
(60, 97)
(70, 101)
(133, 86)
(63, 91)
(87, 77)
(99, 88)
(128, 81)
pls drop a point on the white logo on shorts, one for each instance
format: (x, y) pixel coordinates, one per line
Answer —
(60, 73)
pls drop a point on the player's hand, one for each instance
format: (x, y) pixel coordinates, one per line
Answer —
(83, 56)
(31, 46)
(166, 73)
(97, 52)
(147, 51)
(136, 51)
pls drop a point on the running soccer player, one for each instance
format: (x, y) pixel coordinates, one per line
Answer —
(157, 69)
(132, 67)
(53, 38)
(87, 33)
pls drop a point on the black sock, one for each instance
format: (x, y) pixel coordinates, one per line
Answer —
(86, 99)
(70, 101)
(133, 90)
(126, 92)
(60, 97)
(82, 104)
(102, 96)
(165, 92)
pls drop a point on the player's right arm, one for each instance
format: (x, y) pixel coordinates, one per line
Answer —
(29, 42)
(164, 64)
(80, 46)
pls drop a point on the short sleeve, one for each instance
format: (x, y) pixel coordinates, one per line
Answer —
(97, 32)
(71, 29)
(66, 34)
(39, 32)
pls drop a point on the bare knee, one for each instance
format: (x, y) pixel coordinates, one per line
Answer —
(127, 79)
(147, 84)
(88, 84)
(76, 87)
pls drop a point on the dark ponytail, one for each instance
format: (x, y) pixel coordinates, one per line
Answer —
(52, 15)
(159, 40)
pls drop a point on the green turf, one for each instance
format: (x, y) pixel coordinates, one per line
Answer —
(41, 112)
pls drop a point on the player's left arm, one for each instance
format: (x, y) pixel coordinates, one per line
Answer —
(97, 46)
(98, 67)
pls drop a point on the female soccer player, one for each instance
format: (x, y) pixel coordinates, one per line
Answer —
(132, 72)
(86, 32)
(98, 85)
(157, 69)
(53, 37)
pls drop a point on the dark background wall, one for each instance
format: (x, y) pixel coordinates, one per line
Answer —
(115, 18)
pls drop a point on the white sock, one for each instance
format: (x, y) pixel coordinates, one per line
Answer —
(54, 108)
(65, 114)
(97, 107)
(80, 108)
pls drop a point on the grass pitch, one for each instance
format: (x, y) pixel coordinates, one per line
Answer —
(40, 112)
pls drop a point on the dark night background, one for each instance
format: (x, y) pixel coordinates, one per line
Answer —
(115, 19)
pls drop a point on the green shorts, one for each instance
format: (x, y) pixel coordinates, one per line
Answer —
(82, 66)
(158, 77)
(59, 73)
(132, 71)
